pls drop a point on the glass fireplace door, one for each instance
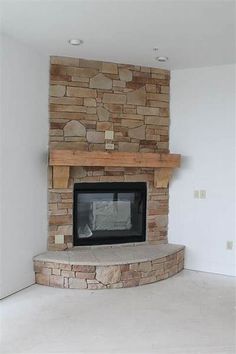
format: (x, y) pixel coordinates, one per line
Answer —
(109, 213)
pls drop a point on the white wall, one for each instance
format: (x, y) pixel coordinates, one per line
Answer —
(203, 131)
(23, 145)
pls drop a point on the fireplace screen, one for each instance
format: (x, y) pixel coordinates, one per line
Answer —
(106, 213)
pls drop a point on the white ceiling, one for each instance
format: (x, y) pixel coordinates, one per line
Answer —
(191, 33)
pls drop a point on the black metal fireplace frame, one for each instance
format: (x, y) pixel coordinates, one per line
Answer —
(140, 187)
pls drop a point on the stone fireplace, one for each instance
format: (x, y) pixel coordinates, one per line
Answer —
(109, 126)
(89, 99)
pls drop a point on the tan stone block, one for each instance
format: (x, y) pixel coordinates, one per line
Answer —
(124, 267)
(158, 97)
(100, 81)
(74, 72)
(145, 267)
(60, 220)
(114, 108)
(165, 89)
(65, 266)
(46, 271)
(111, 179)
(137, 97)
(76, 283)
(118, 83)
(71, 101)
(84, 63)
(133, 266)
(163, 146)
(39, 264)
(158, 104)
(108, 274)
(173, 270)
(148, 280)
(81, 92)
(68, 273)
(91, 110)
(81, 275)
(159, 260)
(129, 147)
(56, 271)
(129, 110)
(77, 172)
(57, 247)
(71, 115)
(131, 274)
(131, 123)
(66, 108)
(149, 274)
(131, 116)
(130, 283)
(66, 61)
(103, 126)
(180, 266)
(110, 68)
(79, 81)
(96, 286)
(56, 281)
(160, 71)
(55, 132)
(180, 256)
(151, 88)
(95, 137)
(90, 102)
(74, 128)
(137, 133)
(159, 267)
(84, 268)
(116, 285)
(148, 111)
(114, 98)
(125, 74)
(57, 90)
(103, 114)
(137, 178)
(157, 120)
(51, 265)
(42, 279)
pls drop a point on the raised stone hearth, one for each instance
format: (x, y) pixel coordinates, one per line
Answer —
(100, 267)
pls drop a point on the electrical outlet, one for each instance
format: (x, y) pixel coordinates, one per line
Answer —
(109, 146)
(229, 245)
(109, 135)
(202, 194)
(196, 194)
(59, 239)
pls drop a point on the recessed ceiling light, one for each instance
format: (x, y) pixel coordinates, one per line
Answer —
(75, 41)
(162, 59)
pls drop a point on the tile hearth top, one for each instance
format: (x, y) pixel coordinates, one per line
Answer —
(109, 255)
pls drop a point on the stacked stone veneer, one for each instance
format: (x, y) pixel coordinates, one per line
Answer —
(109, 276)
(86, 99)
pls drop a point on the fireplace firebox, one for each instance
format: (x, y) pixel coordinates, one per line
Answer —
(109, 213)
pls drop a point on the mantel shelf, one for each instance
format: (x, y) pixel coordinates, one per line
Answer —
(162, 163)
(112, 159)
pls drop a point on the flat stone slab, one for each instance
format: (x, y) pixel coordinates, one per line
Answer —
(110, 255)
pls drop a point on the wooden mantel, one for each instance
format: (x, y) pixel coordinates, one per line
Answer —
(61, 160)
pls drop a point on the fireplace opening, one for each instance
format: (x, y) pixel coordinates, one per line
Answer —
(109, 213)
